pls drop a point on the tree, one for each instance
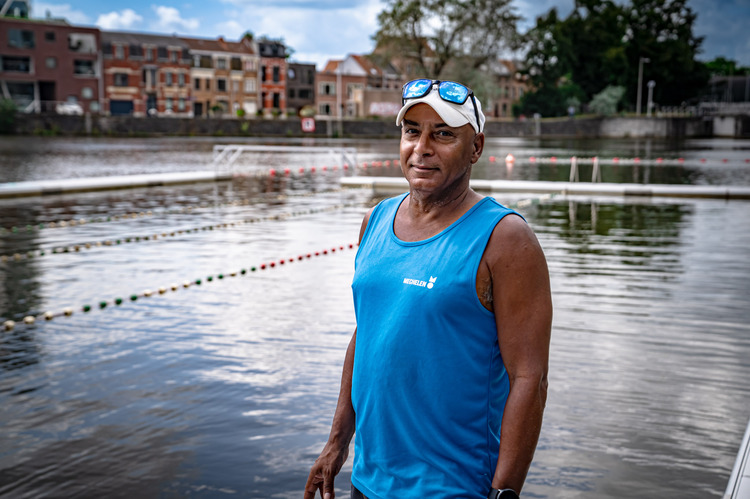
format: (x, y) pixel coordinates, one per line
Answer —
(726, 67)
(447, 38)
(605, 102)
(662, 31)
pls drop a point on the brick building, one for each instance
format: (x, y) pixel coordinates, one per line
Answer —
(48, 65)
(300, 86)
(145, 74)
(224, 76)
(273, 76)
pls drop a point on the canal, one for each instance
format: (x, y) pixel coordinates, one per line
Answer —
(217, 373)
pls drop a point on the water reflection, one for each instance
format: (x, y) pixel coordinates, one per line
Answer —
(228, 387)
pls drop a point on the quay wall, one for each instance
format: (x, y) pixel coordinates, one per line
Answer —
(584, 127)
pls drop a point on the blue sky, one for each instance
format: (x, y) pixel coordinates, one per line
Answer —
(319, 30)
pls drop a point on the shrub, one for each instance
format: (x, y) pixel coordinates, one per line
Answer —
(7, 116)
(605, 102)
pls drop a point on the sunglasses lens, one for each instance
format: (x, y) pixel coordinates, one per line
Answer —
(416, 88)
(453, 92)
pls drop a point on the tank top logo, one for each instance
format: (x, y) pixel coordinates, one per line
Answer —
(421, 284)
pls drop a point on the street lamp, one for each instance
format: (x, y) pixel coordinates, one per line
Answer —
(640, 84)
(650, 103)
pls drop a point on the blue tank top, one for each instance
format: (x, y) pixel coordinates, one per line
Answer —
(429, 385)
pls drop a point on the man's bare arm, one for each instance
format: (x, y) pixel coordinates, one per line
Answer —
(523, 310)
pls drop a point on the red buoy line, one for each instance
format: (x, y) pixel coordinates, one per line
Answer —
(75, 248)
(31, 318)
(510, 159)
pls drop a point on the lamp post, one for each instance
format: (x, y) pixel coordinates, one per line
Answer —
(640, 84)
(650, 102)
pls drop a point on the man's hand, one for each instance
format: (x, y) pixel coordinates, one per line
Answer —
(324, 471)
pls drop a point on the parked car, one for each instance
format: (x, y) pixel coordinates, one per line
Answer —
(69, 108)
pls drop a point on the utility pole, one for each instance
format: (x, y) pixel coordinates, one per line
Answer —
(640, 84)
(650, 102)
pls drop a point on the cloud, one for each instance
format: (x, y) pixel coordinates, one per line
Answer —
(231, 30)
(40, 10)
(169, 19)
(124, 19)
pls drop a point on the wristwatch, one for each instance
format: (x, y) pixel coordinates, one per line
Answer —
(502, 494)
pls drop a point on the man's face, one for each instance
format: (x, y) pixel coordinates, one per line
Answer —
(435, 156)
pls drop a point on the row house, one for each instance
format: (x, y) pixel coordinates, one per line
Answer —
(511, 85)
(145, 75)
(300, 87)
(224, 76)
(48, 65)
(273, 60)
(356, 87)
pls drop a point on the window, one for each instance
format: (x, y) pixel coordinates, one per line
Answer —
(181, 104)
(107, 49)
(49, 36)
(276, 75)
(121, 79)
(291, 93)
(161, 53)
(170, 104)
(21, 38)
(197, 83)
(208, 83)
(173, 56)
(304, 93)
(221, 85)
(16, 64)
(351, 87)
(236, 64)
(181, 79)
(250, 86)
(206, 61)
(135, 51)
(325, 109)
(291, 73)
(185, 55)
(221, 63)
(119, 52)
(83, 68)
(250, 65)
(235, 86)
(327, 88)
(83, 43)
(87, 93)
(168, 79)
(149, 54)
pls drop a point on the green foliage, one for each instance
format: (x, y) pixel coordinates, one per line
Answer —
(605, 103)
(726, 67)
(7, 115)
(601, 43)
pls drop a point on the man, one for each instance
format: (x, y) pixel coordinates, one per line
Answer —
(445, 378)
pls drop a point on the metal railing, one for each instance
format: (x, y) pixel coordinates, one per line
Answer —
(225, 156)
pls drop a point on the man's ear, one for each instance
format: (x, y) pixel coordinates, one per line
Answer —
(478, 147)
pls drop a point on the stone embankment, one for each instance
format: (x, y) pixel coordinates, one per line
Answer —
(584, 127)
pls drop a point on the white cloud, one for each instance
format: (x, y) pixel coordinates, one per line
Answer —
(231, 30)
(169, 19)
(40, 9)
(124, 19)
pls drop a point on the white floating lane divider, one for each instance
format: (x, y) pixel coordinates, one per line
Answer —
(30, 319)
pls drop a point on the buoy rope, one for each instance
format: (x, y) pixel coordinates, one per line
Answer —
(75, 248)
(190, 208)
(31, 318)
(510, 159)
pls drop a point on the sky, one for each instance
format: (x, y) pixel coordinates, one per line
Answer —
(319, 30)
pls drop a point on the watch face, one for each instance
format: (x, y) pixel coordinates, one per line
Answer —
(507, 494)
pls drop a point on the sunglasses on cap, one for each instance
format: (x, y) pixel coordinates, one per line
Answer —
(449, 91)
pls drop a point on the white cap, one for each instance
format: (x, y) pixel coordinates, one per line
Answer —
(452, 114)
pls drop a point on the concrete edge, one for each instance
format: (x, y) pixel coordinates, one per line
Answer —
(738, 486)
(66, 186)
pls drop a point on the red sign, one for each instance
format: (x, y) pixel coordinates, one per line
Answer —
(308, 124)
